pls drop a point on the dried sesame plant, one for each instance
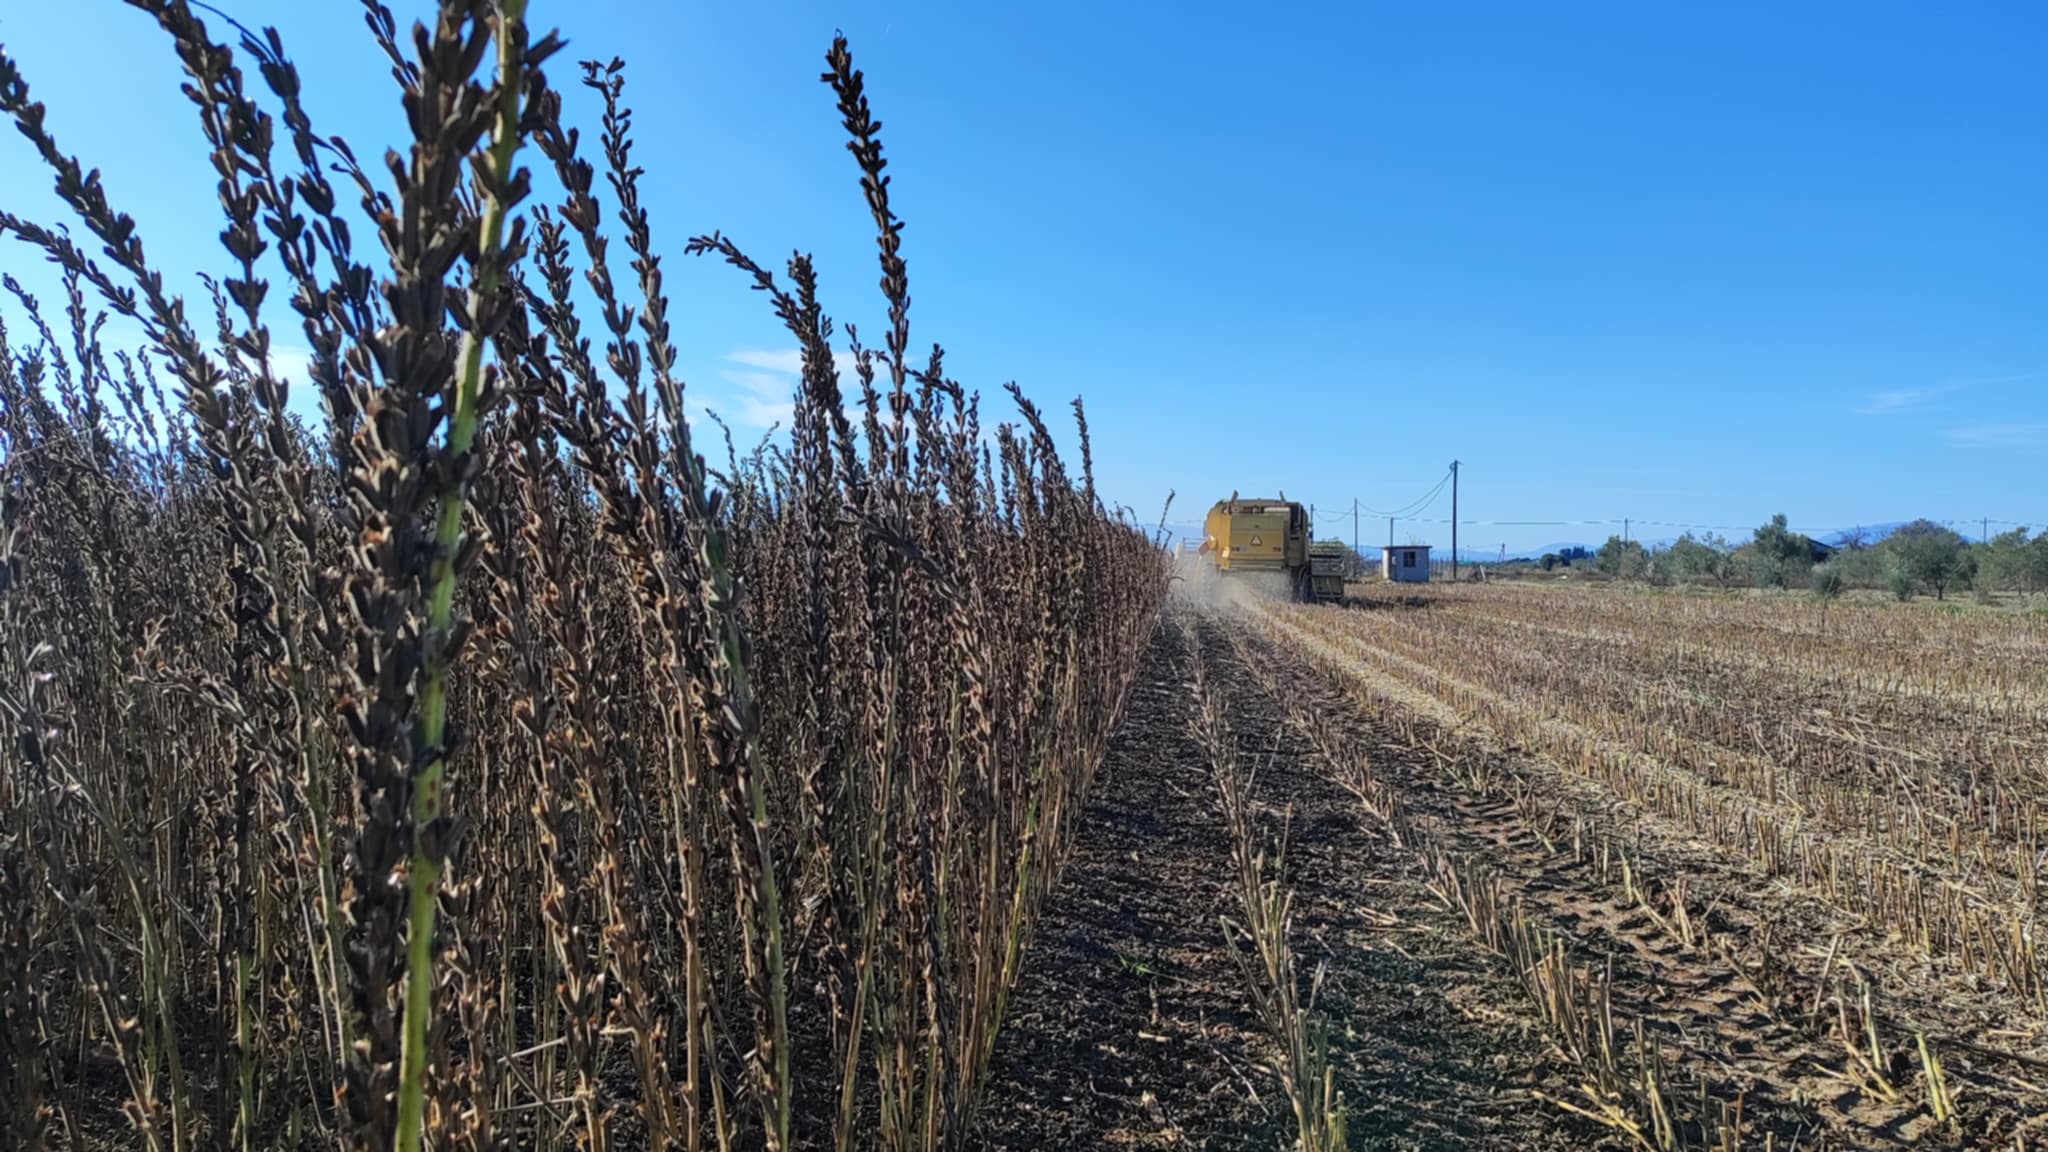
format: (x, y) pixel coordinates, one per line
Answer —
(1261, 941)
(478, 766)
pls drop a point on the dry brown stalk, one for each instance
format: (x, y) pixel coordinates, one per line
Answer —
(1262, 943)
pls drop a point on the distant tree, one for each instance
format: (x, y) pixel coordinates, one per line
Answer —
(1930, 556)
(2008, 561)
(1548, 561)
(1860, 565)
(1657, 567)
(1354, 562)
(1900, 582)
(1696, 559)
(1826, 582)
(1778, 554)
(1624, 559)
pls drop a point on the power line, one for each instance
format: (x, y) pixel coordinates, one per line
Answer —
(1406, 512)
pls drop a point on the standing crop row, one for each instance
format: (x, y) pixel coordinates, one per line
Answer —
(491, 766)
(1261, 942)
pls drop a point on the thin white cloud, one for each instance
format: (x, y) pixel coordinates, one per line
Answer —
(1892, 400)
(765, 399)
(291, 363)
(765, 413)
(1990, 381)
(2020, 435)
(767, 385)
(749, 412)
(744, 415)
(788, 361)
(768, 379)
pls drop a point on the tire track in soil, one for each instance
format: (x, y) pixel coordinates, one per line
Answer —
(1131, 1026)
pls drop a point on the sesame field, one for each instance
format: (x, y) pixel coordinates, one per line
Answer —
(425, 726)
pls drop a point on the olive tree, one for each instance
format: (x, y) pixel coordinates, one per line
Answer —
(1778, 555)
(1931, 556)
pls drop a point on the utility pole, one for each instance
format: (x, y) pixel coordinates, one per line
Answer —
(1624, 532)
(1986, 534)
(1357, 557)
(1454, 521)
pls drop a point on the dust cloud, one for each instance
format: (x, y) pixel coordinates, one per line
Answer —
(1197, 583)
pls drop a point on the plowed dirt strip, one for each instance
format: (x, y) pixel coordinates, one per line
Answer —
(1132, 1027)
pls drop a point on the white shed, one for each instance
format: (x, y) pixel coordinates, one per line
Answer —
(1405, 563)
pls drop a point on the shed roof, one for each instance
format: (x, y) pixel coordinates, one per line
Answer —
(1399, 547)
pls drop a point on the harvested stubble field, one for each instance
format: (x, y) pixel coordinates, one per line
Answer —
(1667, 871)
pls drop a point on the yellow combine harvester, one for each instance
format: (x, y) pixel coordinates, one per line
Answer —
(1272, 540)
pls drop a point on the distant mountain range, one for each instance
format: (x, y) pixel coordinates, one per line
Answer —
(1870, 533)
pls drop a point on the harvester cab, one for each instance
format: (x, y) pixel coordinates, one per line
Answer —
(1271, 542)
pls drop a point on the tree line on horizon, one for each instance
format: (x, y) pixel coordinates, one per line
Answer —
(1923, 557)
(1918, 558)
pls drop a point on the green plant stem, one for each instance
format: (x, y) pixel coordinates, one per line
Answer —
(245, 1064)
(423, 878)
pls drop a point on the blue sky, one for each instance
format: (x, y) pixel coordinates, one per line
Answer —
(1686, 264)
